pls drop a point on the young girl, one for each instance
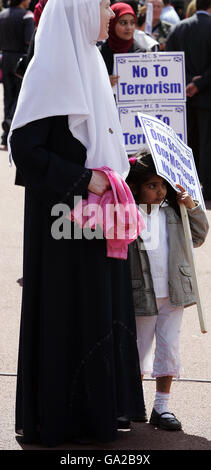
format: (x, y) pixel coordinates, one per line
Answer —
(161, 277)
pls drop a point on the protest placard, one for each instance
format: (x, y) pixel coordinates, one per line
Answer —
(150, 76)
(173, 158)
(149, 17)
(172, 114)
(174, 162)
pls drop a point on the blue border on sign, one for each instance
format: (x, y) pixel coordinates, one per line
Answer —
(166, 100)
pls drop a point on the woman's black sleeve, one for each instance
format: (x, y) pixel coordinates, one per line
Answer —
(53, 178)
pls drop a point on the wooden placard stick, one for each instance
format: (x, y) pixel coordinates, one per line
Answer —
(189, 244)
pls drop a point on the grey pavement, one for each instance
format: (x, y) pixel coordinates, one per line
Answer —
(190, 396)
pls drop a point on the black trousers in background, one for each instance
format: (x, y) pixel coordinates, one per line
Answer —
(11, 86)
(199, 139)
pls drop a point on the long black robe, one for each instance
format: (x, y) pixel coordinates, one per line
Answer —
(78, 367)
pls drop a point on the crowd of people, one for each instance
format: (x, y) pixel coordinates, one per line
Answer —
(186, 36)
(174, 27)
(90, 314)
(184, 31)
(16, 29)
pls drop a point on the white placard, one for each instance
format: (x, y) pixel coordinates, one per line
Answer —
(172, 157)
(149, 16)
(172, 114)
(150, 76)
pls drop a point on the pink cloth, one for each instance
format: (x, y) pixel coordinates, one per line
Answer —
(115, 212)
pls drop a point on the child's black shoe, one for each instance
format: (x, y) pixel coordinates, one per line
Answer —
(168, 423)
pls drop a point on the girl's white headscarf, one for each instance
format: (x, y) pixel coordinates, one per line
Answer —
(67, 76)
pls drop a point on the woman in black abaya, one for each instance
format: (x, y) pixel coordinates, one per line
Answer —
(78, 368)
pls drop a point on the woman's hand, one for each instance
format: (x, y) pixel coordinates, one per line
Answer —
(114, 79)
(191, 89)
(185, 198)
(99, 183)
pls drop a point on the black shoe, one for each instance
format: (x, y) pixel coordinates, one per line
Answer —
(139, 419)
(123, 424)
(169, 424)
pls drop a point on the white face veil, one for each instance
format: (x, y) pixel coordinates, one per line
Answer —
(67, 76)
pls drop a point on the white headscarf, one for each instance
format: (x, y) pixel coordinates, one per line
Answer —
(67, 76)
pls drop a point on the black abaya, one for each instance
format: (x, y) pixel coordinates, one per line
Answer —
(78, 366)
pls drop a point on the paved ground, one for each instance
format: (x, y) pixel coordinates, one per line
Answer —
(190, 399)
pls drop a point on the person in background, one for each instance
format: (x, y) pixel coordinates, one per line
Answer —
(133, 3)
(5, 3)
(169, 13)
(191, 9)
(179, 6)
(160, 28)
(32, 5)
(120, 40)
(16, 29)
(161, 277)
(24, 62)
(145, 40)
(39, 7)
(186, 36)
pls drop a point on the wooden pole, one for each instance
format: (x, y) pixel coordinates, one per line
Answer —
(189, 244)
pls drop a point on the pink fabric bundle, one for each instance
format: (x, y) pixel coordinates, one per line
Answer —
(115, 212)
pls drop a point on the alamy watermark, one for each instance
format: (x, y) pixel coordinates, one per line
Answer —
(114, 222)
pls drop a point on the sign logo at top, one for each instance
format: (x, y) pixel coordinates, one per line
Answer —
(156, 77)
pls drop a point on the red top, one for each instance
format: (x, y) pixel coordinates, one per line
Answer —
(38, 10)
